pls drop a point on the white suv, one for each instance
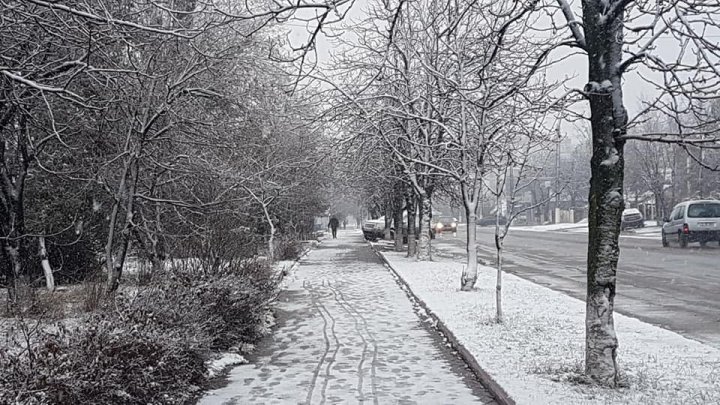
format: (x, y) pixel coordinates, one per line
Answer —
(693, 221)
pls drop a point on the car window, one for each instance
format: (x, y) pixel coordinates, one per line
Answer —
(704, 210)
(678, 213)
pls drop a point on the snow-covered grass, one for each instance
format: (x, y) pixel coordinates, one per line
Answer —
(537, 354)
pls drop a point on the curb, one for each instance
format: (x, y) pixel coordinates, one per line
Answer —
(500, 395)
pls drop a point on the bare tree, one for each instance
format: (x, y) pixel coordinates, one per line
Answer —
(617, 35)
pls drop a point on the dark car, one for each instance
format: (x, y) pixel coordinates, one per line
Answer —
(491, 221)
(632, 218)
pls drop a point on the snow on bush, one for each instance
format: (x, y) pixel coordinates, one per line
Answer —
(150, 346)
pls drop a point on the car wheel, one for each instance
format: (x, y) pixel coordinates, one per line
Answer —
(683, 240)
(665, 242)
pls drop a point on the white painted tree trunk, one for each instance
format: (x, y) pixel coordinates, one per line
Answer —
(470, 273)
(498, 283)
(45, 262)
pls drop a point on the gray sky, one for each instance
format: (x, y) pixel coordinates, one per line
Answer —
(572, 71)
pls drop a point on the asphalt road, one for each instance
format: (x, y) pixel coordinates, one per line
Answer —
(677, 289)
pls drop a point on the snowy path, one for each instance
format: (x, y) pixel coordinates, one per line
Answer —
(347, 333)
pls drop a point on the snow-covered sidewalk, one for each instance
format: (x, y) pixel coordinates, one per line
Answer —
(347, 333)
(537, 354)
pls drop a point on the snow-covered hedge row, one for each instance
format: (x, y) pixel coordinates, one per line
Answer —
(147, 345)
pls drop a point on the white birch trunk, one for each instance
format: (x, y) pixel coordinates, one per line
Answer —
(45, 262)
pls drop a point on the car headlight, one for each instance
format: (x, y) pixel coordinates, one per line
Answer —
(439, 225)
(453, 225)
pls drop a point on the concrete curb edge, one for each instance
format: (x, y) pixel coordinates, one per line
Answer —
(498, 392)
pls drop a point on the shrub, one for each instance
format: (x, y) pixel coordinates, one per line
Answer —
(149, 346)
(100, 364)
(288, 249)
(211, 310)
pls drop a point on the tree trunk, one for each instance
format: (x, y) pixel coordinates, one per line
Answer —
(469, 275)
(498, 283)
(399, 232)
(116, 265)
(119, 261)
(14, 270)
(45, 262)
(424, 249)
(110, 242)
(412, 229)
(388, 222)
(604, 39)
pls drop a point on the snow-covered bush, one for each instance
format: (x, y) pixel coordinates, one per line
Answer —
(148, 346)
(288, 249)
(100, 362)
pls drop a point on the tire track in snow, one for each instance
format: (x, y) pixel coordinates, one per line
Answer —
(360, 324)
(314, 299)
(331, 361)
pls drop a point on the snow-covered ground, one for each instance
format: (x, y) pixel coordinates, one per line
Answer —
(536, 355)
(650, 231)
(550, 227)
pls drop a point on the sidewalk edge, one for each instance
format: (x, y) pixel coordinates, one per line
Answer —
(498, 392)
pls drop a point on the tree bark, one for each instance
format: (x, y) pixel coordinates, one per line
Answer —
(424, 252)
(469, 275)
(45, 262)
(498, 283)
(399, 233)
(117, 264)
(13, 172)
(388, 221)
(604, 39)
(412, 229)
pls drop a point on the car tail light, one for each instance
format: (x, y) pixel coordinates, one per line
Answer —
(686, 229)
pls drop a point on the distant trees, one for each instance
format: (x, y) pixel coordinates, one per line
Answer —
(445, 85)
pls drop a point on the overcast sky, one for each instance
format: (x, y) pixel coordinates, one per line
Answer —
(573, 70)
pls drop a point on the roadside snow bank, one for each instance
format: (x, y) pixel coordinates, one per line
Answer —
(550, 227)
(537, 354)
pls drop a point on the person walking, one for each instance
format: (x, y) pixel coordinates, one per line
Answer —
(333, 225)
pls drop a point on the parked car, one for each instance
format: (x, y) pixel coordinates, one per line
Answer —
(632, 218)
(491, 220)
(692, 221)
(444, 224)
(374, 229)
